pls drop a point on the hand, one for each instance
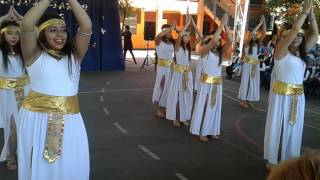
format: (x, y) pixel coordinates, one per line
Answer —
(224, 19)
(189, 17)
(262, 19)
(307, 6)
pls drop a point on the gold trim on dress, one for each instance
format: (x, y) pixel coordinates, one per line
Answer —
(14, 83)
(214, 80)
(165, 62)
(208, 79)
(57, 107)
(293, 90)
(185, 74)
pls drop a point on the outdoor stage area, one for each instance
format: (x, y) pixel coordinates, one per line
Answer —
(127, 142)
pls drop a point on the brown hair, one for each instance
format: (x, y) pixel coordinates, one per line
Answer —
(306, 167)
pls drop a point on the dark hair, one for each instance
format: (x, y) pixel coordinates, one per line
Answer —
(5, 47)
(127, 27)
(186, 46)
(219, 49)
(251, 43)
(302, 50)
(68, 48)
(164, 38)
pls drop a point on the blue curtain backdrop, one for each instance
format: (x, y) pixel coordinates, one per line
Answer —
(105, 51)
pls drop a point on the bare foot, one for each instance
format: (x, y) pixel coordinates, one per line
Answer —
(203, 138)
(160, 114)
(176, 123)
(245, 105)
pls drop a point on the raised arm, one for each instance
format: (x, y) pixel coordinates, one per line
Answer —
(206, 48)
(229, 39)
(178, 42)
(282, 46)
(254, 31)
(31, 50)
(199, 37)
(313, 36)
(82, 38)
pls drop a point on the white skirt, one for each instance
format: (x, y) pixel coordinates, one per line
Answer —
(160, 95)
(178, 95)
(73, 163)
(207, 123)
(197, 75)
(8, 111)
(277, 121)
(249, 87)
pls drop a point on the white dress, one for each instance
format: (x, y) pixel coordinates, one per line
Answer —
(8, 101)
(197, 76)
(206, 121)
(177, 95)
(289, 70)
(164, 51)
(250, 86)
(51, 77)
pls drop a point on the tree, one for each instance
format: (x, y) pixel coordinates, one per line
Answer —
(287, 10)
(125, 7)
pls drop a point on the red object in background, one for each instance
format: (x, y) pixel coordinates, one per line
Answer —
(224, 35)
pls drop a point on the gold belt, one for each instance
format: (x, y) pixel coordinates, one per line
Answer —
(254, 62)
(165, 63)
(214, 80)
(293, 90)
(57, 107)
(251, 60)
(14, 83)
(208, 79)
(185, 74)
(182, 68)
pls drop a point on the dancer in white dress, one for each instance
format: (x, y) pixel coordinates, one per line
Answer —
(180, 97)
(250, 79)
(165, 52)
(13, 85)
(52, 140)
(206, 116)
(285, 118)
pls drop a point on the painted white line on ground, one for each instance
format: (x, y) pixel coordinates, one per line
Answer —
(307, 149)
(120, 128)
(114, 90)
(180, 176)
(101, 99)
(147, 151)
(312, 127)
(231, 97)
(106, 111)
(242, 149)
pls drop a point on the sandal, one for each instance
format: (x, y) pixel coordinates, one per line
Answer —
(215, 137)
(11, 163)
(245, 105)
(203, 138)
(185, 123)
(176, 123)
(269, 166)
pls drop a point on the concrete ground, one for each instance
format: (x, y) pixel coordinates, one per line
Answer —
(127, 142)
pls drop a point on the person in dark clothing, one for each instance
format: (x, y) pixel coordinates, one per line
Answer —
(127, 43)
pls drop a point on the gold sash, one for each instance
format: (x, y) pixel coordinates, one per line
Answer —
(57, 107)
(165, 63)
(253, 62)
(14, 83)
(185, 74)
(214, 80)
(293, 90)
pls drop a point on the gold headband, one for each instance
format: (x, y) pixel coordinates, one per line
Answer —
(50, 22)
(8, 28)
